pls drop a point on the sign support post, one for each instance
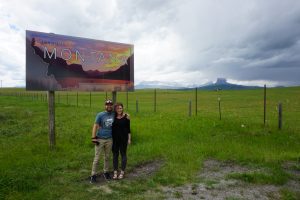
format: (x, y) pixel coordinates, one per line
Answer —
(114, 96)
(51, 112)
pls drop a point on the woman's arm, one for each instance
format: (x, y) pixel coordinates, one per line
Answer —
(129, 138)
(129, 132)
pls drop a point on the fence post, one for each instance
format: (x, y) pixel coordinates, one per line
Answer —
(155, 100)
(265, 103)
(190, 108)
(77, 99)
(90, 99)
(196, 101)
(279, 115)
(127, 99)
(219, 99)
(51, 109)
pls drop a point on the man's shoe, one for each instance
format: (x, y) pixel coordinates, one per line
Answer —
(106, 176)
(93, 179)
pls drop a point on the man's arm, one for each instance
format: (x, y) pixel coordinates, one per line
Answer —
(94, 132)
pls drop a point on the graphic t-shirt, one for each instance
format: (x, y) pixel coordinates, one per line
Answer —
(105, 121)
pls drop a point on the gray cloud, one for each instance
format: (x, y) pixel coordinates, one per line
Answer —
(256, 41)
(190, 41)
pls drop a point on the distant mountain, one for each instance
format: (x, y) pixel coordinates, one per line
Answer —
(157, 84)
(221, 81)
(220, 84)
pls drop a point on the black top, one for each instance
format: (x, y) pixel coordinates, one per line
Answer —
(121, 129)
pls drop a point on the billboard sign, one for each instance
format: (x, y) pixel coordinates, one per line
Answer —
(58, 62)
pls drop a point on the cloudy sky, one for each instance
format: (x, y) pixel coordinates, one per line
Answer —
(184, 42)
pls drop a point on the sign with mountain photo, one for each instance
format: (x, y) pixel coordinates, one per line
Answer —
(58, 62)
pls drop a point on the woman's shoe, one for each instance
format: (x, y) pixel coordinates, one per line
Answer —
(115, 175)
(121, 176)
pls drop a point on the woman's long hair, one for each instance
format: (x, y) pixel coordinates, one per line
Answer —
(115, 108)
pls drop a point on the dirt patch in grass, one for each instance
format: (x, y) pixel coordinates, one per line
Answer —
(140, 171)
(215, 182)
(292, 168)
(145, 169)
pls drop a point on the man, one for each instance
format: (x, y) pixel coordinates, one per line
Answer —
(102, 137)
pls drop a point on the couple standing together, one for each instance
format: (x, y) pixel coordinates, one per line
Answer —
(111, 132)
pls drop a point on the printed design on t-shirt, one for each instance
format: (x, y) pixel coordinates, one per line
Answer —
(108, 122)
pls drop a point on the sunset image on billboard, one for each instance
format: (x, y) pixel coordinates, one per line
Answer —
(58, 62)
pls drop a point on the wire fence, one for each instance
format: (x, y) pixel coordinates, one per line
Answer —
(244, 106)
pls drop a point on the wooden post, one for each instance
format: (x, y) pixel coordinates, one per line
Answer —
(265, 103)
(190, 108)
(154, 100)
(90, 99)
(219, 99)
(51, 109)
(196, 101)
(126, 99)
(279, 116)
(77, 99)
(137, 105)
(114, 96)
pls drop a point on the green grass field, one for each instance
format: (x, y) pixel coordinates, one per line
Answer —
(29, 170)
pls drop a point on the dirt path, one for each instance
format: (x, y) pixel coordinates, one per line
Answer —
(214, 183)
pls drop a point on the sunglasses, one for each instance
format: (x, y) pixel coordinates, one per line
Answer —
(108, 102)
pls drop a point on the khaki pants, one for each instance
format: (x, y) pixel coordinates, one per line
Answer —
(104, 146)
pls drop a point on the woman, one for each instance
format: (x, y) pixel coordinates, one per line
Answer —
(121, 137)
